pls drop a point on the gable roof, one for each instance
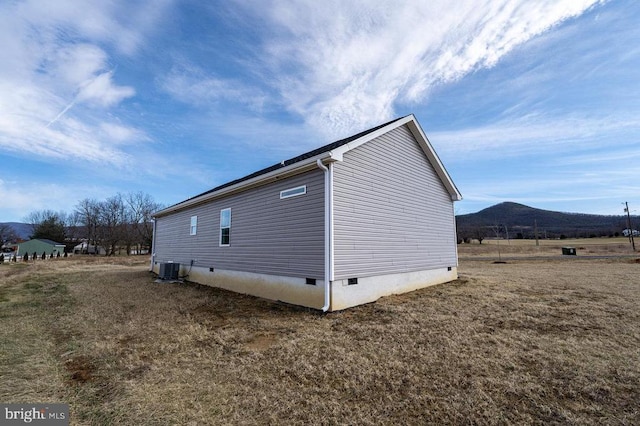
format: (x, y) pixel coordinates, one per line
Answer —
(327, 153)
(44, 241)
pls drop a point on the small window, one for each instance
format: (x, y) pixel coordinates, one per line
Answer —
(293, 192)
(352, 281)
(225, 227)
(194, 225)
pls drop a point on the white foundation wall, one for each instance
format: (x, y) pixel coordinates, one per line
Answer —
(295, 290)
(286, 289)
(370, 289)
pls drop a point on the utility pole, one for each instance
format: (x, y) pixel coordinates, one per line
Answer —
(626, 209)
(535, 230)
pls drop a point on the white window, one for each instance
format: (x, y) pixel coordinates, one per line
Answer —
(225, 227)
(293, 192)
(194, 225)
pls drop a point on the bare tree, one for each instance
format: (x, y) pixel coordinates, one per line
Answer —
(497, 228)
(74, 228)
(141, 208)
(117, 222)
(7, 234)
(479, 233)
(87, 215)
(112, 222)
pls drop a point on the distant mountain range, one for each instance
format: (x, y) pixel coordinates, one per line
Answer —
(520, 221)
(22, 230)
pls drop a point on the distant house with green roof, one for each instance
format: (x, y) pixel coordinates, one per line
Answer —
(39, 246)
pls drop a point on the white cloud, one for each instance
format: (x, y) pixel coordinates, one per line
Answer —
(191, 84)
(119, 133)
(347, 65)
(56, 64)
(21, 198)
(76, 64)
(33, 122)
(562, 189)
(119, 23)
(624, 156)
(535, 133)
(103, 92)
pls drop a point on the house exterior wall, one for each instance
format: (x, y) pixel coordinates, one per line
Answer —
(392, 214)
(269, 235)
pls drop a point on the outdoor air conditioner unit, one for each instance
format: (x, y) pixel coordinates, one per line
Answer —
(169, 271)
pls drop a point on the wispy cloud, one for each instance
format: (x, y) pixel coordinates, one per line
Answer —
(191, 84)
(20, 198)
(540, 159)
(347, 65)
(102, 91)
(563, 189)
(539, 133)
(58, 84)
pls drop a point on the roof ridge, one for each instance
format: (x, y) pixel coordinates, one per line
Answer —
(46, 240)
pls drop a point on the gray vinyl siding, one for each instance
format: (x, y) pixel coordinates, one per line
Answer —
(268, 235)
(392, 213)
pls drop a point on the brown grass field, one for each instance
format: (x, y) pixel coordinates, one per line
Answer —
(619, 246)
(530, 341)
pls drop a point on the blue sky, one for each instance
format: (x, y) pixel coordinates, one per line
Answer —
(536, 102)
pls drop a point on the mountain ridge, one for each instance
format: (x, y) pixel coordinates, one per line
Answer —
(523, 220)
(22, 230)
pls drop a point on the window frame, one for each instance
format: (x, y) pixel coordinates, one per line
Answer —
(193, 225)
(293, 192)
(222, 228)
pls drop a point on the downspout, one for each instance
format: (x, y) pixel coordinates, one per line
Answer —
(328, 209)
(153, 244)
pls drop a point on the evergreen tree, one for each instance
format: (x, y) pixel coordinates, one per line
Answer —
(48, 225)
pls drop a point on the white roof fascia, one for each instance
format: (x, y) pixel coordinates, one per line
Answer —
(292, 169)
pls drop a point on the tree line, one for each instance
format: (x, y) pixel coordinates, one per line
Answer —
(123, 221)
(469, 232)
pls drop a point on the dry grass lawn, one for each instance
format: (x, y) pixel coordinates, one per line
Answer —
(550, 341)
(618, 246)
